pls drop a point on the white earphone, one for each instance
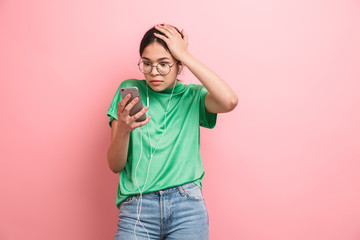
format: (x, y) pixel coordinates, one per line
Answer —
(139, 204)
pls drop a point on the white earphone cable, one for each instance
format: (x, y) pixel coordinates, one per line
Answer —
(138, 209)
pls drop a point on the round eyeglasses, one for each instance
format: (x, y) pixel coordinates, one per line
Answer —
(163, 68)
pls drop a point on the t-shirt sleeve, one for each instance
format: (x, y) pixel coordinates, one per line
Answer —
(207, 119)
(112, 112)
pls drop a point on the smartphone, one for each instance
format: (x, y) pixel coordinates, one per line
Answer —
(134, 91)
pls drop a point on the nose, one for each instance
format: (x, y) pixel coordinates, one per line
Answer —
(154, 71)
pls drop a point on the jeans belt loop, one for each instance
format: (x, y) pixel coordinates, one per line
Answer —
(181, 190)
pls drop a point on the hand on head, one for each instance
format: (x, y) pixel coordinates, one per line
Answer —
(176, 42)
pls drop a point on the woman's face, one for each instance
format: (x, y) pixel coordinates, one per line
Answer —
(154, 54)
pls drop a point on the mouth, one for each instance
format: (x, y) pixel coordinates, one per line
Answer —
(156, 82)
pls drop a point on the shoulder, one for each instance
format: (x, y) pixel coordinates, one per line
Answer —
(197, 89)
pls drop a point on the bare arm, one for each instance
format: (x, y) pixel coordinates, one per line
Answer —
(120, 132)
(220, 98)
(117, 153)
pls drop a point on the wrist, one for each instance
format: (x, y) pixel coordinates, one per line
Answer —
(121, 130)
(185, 57)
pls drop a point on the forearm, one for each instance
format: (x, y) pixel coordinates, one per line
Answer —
(117, 153)
(222, 95)
(221, 98)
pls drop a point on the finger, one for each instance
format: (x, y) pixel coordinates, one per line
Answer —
(162, 37)
(140, 124)
(174, 32)
(171, 29)
(165, 30)
(145, 121)
(122, 103)
(130, 105)
(185, 36)
(140, 113)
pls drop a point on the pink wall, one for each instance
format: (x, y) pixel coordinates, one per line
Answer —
(284, 165)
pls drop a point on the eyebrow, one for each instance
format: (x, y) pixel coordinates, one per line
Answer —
(159, 59)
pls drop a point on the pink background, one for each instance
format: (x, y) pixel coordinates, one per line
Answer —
(284, 165)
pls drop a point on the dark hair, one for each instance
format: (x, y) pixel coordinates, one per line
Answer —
(149, 38)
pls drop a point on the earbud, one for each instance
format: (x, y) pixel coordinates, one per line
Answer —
(179, 71)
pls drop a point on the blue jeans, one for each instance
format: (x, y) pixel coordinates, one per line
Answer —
(173, 213)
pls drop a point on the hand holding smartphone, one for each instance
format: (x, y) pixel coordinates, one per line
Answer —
(134, 91)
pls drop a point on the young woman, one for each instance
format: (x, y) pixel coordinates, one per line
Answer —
(159, 193)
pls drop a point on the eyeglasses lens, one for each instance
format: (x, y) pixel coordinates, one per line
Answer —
(145, 67)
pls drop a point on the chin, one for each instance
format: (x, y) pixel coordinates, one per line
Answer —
(157, 88)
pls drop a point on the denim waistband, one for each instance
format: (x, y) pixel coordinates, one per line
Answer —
(180, 188)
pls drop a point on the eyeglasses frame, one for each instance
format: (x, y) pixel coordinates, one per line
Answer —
(157, 69)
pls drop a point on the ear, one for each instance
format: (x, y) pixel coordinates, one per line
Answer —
(181, 66)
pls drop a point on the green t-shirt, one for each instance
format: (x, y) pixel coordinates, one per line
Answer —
(176, 160)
